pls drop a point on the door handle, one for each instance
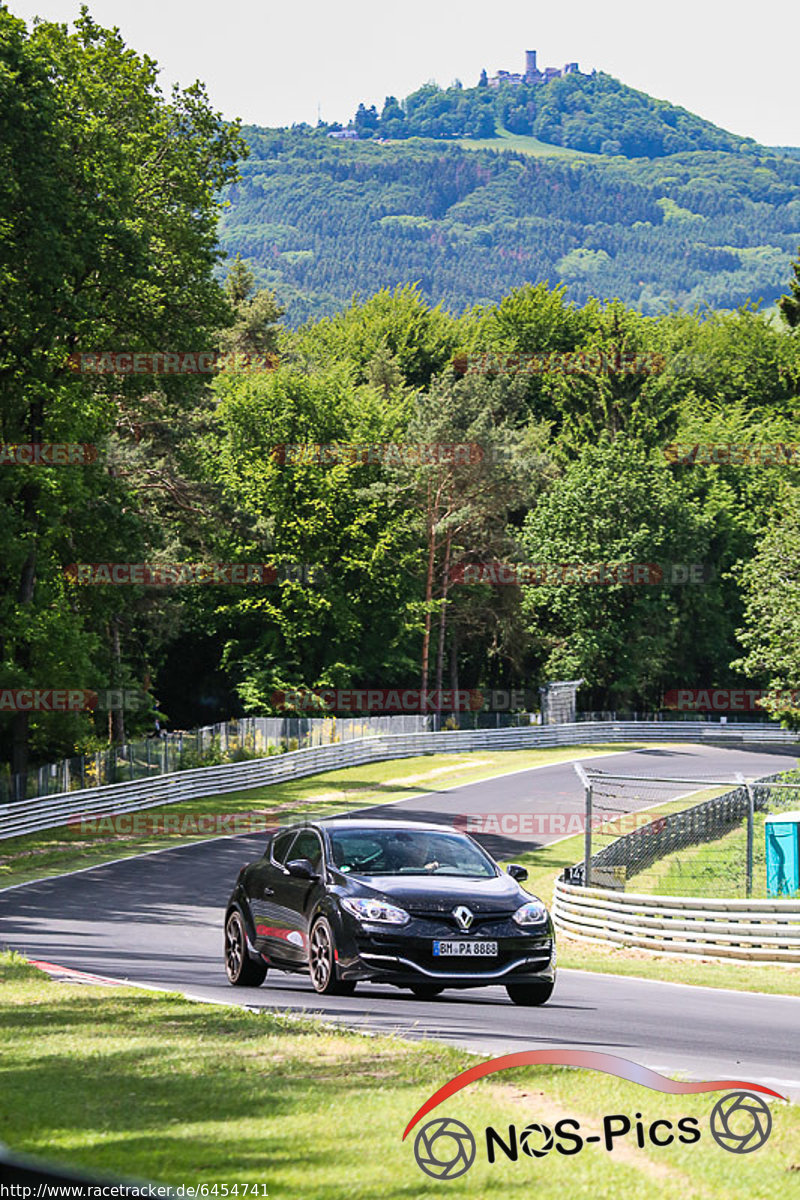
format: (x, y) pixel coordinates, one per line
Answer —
(268, 891)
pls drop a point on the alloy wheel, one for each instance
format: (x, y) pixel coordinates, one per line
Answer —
(234, 947)
(321, 956)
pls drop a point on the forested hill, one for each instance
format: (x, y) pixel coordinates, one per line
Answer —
(319, 219)
(595, 113)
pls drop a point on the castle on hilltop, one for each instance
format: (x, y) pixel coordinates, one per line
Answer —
(532, 73)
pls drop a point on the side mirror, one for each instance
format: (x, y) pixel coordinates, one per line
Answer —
(301, 868)
(517, 872)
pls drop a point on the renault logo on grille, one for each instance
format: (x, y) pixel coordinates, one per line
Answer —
(463, 916)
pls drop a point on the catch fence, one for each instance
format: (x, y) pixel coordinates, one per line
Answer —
(715, 847)
(687, 880)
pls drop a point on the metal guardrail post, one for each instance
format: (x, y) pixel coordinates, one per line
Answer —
(587, 830)
(750, 821)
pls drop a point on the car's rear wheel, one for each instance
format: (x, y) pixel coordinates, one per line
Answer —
(530, 994)
(241, 969)
(322, 962)
(426, 991)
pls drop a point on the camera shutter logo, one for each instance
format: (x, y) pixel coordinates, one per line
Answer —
(741, 1122)
(463, 915)
(444, 1148)
(536, 1140)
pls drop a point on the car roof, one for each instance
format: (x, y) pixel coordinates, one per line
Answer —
(375, 825)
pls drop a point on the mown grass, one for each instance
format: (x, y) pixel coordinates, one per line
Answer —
(128, 1083)
(717, 868)
(524, 144)
(54, 851)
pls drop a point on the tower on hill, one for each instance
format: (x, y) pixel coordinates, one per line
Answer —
(532, 73)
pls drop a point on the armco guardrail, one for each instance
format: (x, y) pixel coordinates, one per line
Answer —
(755, 930)
(49, 812)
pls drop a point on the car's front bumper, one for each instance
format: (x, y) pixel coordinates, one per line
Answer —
(405, 956)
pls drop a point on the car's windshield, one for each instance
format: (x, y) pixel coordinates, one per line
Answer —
(408, 852)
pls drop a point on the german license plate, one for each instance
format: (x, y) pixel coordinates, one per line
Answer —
(482, 949)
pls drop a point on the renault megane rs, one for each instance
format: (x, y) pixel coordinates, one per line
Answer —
(415, 905)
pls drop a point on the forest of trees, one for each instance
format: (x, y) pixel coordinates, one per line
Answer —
(595, 113)
(319, 220)
(113, 197)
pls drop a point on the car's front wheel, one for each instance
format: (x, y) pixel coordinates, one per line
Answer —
(322, 962)
(241, 969)
(530, 994)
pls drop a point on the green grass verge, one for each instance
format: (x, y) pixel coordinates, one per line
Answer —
(523, 144)
(717, 868)
(54, 851)
(130, 1083)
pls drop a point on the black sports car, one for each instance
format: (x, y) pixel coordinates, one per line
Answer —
(418, 906)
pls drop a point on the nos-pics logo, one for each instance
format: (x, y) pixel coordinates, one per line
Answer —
(740, 1122)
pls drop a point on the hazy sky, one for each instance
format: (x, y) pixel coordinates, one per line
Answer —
(273, 64)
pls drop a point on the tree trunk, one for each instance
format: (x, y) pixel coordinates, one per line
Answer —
(426, 640)
(443, 615)
(116, 716)
(454, 659)
(21, 723)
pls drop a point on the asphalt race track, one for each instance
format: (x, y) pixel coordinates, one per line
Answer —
(157, 920)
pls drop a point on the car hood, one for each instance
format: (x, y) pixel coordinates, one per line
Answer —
(440, 893)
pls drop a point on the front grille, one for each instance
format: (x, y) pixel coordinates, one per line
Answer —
(420, 950)
(446, 917)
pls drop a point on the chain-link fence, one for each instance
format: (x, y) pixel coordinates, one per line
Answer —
(642, 837)
(670, 715)
(229, 741)
(254, 737)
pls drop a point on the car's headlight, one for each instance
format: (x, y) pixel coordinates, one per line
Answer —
(375, 910)
(533, 913)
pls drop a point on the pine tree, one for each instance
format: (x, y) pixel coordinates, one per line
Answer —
(240, 281)
(790, 305)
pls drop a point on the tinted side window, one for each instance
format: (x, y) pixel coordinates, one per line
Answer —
(281, 844)
(307, 845)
